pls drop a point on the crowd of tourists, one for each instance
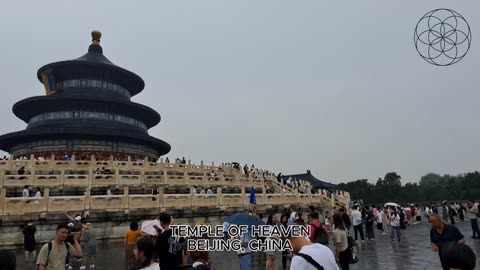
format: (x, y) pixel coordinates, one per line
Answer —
(329, 246)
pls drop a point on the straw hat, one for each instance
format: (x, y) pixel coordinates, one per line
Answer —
(88, 226)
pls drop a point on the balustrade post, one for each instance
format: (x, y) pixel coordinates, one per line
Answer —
(10, 162)
(160, 197)
(243, 194)
(185, 177)
(3, 194)
(219, 196)
(90, 174)
(332, 199)
(264, 195)
(282, 192)
(125, 198)
(205, 177)
(31, 163)
(117, 176)
(88, 198)
(46, 199)
(62, 177)
(2, 178)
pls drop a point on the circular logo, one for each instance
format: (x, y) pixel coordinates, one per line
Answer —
(442, 37)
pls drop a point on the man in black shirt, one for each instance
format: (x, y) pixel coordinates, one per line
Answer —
(369, 222)
(169, 248)
(441, 235)
(345, 218)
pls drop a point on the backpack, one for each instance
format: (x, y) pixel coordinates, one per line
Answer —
(50, 245)
(320, 236)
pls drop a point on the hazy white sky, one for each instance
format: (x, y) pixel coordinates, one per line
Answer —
(336, 87)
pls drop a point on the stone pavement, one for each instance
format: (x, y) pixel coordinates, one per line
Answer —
(412, 253)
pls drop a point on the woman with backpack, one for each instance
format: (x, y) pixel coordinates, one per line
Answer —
(343, 254)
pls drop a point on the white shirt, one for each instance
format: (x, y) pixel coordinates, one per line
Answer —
(109, 192)
(356, 218)
(320, 253)
(395, 221)
(245, 238)
(38, 194)
(380, 217)
(25, 193)
(225, 226)
(293, 216)
(153, 266)
(209, 191)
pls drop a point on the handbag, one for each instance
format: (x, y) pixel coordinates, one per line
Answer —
(351, 243)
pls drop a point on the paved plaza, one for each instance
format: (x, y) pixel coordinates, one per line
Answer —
(414, 252)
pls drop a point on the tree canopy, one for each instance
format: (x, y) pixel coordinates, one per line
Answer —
(432, 187)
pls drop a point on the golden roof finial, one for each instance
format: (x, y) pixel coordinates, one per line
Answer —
(96, 35)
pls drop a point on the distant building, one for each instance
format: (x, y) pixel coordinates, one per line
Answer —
(316, 183)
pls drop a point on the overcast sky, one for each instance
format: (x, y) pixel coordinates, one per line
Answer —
(336, 87)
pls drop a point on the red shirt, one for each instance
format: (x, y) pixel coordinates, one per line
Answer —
(312, 229)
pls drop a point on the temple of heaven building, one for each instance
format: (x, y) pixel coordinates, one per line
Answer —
(86, 111)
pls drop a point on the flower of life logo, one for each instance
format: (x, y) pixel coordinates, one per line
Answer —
(442, 37)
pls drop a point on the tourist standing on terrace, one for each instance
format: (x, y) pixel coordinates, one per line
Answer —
(245, 257)
(459, 256)
(25, 192)
(8, 260)
(131, 237)
(53, 254)
(29, 243)
(357, 224)
(395, 225)
(169, 249)
(342, 253)
(143, 252)
(385, 220)
(461, 208)
(90, 251)
(472, 211)
(380, 218)
(345, 218)
(309, 256)
(370, 220)
(403, 221)
(284, 222)
(441, 235)
(271, 263)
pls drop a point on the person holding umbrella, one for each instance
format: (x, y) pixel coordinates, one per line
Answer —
(245, 256)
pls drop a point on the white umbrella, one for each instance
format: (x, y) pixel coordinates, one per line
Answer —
(150, 226)
(392, 204)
